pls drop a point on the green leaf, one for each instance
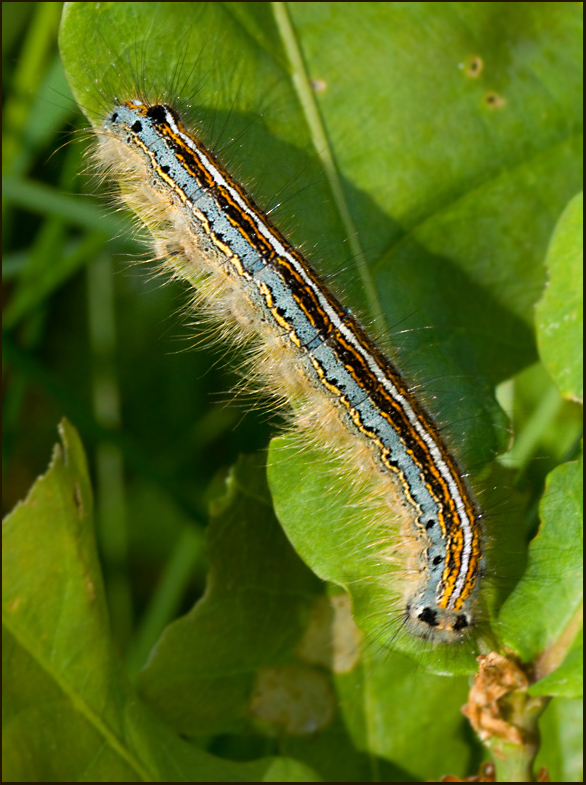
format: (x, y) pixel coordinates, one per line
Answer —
(567, 680)
(391, 705)
(345, 549)
(560, 312)
(263, 653)
(434, 161)
(549, 597)
(63, 686)
(257, 601)
(240, 648)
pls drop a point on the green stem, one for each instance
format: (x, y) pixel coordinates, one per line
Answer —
(306, 95)
(187, 555)
(515, 762)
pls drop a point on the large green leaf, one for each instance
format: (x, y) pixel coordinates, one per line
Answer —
(432, 146)
(265, 652)
(258, 597)
(63, 687)
(345, 549)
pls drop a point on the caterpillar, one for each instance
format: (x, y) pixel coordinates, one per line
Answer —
(311, 351)
(219, 238)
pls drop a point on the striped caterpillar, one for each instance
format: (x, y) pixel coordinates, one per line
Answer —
(312, 352)
(246, 270)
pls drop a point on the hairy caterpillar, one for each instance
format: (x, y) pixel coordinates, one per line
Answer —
(417, 546)
(222, 242)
